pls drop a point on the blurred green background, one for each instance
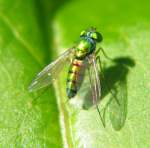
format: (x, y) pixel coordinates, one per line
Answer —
(32, 34)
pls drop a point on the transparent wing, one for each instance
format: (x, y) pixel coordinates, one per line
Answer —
(94, 79)
(95, 83)
(51, 72)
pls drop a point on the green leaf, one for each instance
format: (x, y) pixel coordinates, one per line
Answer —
(27, 32)
(26, 120)
(126, 29)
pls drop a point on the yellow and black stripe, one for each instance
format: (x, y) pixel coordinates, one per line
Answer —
(73, 77)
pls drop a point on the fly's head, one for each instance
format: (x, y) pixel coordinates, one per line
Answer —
(91, 34)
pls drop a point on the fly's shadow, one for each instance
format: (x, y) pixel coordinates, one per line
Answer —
(113, 80)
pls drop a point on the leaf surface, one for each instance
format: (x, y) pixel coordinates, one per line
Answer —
(26, 119)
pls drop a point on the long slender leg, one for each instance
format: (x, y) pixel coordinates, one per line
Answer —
(107, 85)
(104, 53)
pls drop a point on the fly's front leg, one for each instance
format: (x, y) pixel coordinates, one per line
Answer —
(107, 85)
(104, 53)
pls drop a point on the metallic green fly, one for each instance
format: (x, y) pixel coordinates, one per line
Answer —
(82, 57)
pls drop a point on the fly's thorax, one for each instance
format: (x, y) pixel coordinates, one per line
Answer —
(85, 47)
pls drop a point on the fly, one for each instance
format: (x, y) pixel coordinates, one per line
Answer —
(83, 57)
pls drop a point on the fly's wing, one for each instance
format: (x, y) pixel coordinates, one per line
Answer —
(51, 72)
(95, 83)
(94, 79)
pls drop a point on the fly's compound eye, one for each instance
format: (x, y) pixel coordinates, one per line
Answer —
(96, 36)
(83, 33)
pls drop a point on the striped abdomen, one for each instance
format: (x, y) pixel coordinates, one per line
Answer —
(75, 76)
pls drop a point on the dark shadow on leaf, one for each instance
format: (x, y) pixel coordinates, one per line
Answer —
(45, 11)
(114, 81)
(115, 73)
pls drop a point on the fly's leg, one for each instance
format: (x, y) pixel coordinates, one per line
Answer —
(104, 53)
(107, 85)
